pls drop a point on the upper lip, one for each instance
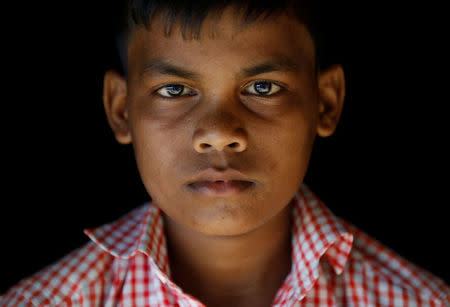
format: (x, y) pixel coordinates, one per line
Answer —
(211, 174)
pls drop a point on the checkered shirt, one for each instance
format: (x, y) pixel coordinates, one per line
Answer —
(333, 264)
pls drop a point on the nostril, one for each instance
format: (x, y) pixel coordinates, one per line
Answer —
(204, 145)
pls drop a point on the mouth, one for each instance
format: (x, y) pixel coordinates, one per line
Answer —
(220, 187)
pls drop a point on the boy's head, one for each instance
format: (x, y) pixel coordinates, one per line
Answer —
(222, 123)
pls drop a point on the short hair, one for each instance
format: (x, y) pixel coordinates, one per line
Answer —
(191, 15)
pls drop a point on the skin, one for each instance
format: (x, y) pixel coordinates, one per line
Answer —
(236, 248)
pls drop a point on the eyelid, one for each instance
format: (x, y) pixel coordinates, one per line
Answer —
(155, 92)
(282, 87)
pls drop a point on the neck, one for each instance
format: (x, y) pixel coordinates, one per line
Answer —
(246, 269)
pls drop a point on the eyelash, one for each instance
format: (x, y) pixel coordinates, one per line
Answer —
(281, 88)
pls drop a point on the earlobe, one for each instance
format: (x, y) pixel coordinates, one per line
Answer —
(331, 99)
(115, 103)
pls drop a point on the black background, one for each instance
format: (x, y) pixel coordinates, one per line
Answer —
(383, 170)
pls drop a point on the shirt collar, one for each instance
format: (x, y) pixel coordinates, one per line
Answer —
(315, 232)
(141, 230)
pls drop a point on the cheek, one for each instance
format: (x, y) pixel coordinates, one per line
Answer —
(292, 149)
(155, 150)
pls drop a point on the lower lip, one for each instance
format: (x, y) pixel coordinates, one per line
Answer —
(220, 188)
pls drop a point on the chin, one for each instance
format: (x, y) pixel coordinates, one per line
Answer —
(225, 219)
(226, 230)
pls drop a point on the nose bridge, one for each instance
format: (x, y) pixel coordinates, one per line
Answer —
(218, 119)
(220, 128)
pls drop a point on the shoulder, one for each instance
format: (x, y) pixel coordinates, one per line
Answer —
(386, 275)
(59, 283)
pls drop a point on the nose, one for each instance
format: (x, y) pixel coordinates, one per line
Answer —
(219, 132)
(215, 140)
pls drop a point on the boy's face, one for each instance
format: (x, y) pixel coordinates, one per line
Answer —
(221, 121)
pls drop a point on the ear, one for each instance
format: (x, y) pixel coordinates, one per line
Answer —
(115, 103)
(331, 86)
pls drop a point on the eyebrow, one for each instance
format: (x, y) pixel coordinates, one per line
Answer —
(163, 67)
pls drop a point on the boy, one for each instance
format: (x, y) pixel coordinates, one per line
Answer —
(222, 128)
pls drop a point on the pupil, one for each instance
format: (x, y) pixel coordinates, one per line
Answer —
(174, 89)
(263, 87)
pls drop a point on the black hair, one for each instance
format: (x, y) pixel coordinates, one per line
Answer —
(191, 15)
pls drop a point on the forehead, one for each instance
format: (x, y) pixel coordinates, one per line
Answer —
(224, 41)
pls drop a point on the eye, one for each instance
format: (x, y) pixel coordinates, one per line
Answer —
(264, 88)
(174, 90)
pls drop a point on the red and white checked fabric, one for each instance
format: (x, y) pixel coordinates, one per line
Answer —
(333, 264)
